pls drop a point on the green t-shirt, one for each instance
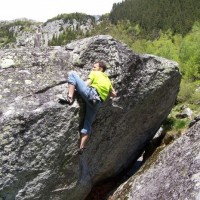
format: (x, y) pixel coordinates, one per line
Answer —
(101, 82)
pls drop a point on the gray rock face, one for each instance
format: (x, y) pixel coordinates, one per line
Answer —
(39, 34)
(175, 174)
(39, 136)
(55, 27)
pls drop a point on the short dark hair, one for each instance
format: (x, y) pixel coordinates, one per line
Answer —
(102, 65)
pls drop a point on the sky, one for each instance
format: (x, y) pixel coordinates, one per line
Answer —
(42, 10)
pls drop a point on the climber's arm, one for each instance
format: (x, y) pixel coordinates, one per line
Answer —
(88, 82)
(113, 93)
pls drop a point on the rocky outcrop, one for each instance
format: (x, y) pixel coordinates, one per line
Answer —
(39, 136)
(56, 27)
(37, 34)
(196, 119)
(174, 175)
(186, 113)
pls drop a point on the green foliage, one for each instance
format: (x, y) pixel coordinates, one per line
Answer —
(103, 28)
(167, 45)
(168, 124)
(6, 36)
(104, 17)
(181, 124)
(188, 92)
(67, 36)
(189, 54)
(174, 124)
(124, 31)
(154, 15)
(81, 17)
(187, 89)
(195, 98)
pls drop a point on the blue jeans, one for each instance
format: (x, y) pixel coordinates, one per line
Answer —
(83, 90)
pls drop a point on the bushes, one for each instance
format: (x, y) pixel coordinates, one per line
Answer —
(81, 17)
(186, 91)
(189, 54)
(189, 92)
(174, 124)
(67, 36)
(6, 36)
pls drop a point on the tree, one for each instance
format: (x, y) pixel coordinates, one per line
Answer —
(189, 54)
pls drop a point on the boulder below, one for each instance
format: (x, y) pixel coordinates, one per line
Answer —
(39, 137)
(174, 175)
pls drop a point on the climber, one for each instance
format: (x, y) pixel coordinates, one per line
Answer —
(94, 91)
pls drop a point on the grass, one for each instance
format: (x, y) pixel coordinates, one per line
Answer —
(174, 124)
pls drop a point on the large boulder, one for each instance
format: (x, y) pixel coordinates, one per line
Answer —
(39, 136)
(174, 175)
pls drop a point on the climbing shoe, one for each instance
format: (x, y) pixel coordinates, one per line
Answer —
(80, 151)
(68, 100)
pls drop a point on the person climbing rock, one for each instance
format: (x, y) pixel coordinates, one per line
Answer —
(94, 92)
